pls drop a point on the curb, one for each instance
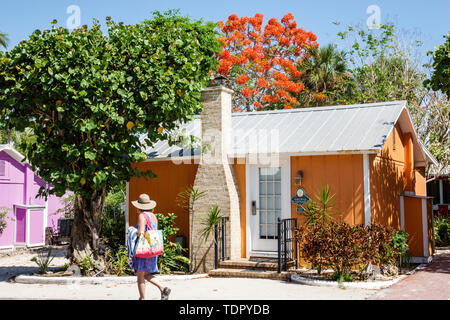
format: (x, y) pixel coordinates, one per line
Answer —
(373, 285)
(25, 279)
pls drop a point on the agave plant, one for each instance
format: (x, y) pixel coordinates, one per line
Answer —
(43, 261)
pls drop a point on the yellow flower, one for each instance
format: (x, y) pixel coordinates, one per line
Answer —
(160, 130)
(130, 125)
(82, 181)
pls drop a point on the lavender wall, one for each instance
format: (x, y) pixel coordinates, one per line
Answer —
(36, 226)
(21, 225)
(20, 186)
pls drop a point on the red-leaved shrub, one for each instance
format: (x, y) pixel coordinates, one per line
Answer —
(342, 247)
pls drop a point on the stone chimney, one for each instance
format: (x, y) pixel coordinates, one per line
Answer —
(215, 176)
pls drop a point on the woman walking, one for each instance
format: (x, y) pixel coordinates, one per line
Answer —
(145, 268)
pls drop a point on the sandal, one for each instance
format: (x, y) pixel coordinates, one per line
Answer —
(165, 293)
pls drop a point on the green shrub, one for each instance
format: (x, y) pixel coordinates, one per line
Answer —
(3, 218)
(113, 220)
(118, 262)
(441, 231)
(88, 266)
(400, 243)
(173, 258)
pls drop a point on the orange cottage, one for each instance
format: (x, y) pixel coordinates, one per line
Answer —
(257, 165)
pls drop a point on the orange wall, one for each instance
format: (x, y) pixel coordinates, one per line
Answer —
(413, 225)
(170, 180)
(386, 185)
(343, 174)
(391, 173)
(420, 183)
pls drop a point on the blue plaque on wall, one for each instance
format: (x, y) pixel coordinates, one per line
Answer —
(300, 198)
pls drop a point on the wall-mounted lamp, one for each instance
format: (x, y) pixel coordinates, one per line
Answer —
(299, 178)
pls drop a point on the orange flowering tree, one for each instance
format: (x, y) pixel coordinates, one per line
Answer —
(261, 63)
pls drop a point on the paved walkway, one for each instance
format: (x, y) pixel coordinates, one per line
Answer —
(430, 283)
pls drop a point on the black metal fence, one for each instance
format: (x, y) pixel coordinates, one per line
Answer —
(220, 245)
(287, 245)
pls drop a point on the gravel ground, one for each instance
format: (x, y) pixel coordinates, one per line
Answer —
(193, 289)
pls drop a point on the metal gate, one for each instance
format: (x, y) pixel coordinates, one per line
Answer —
(287, 244)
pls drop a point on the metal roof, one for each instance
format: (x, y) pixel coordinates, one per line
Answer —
(345, 128)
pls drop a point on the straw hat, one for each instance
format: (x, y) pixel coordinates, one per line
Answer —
(144, 202)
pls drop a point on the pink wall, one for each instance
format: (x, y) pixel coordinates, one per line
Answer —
(54, 203)
(36, 226)
(19, 186)
(21, 225)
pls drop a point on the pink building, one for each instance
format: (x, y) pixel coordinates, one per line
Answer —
(27, 215)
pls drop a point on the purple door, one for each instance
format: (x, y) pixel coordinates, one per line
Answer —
(21, 224)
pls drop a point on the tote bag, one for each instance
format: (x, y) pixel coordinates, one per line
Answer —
(149, 244)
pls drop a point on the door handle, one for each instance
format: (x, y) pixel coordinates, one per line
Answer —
(254, 208)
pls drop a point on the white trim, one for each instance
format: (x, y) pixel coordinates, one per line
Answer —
(402, 213)
(27, 236)
(247, 155)
(421, 259)
(177, 160)
(263, 254)
(45, 222)
(366, 172)
(253, 194)
(36, 245)
(6, 247)
(30, 206)
(248, 234)
(425, 228)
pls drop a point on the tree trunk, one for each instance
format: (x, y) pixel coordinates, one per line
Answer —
(85, 235)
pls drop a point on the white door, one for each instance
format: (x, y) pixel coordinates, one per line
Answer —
(269, 199)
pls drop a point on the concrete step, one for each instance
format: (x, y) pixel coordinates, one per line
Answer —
(249, 273)
(248, 264)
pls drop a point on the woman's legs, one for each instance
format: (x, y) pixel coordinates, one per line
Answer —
(141, 284)
(150, 278)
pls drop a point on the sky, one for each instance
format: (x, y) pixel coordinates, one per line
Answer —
(426, 20)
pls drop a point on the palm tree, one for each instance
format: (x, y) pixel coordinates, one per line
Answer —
(3, 40)
(324, 70)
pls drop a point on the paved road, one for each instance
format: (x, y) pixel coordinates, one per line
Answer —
(429, 283)
(193, 289)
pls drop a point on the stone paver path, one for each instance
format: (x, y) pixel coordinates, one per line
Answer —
(430, 283)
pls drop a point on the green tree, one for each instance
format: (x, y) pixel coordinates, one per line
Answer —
(89, 97)
(440, 78)
(19, 139)
(384, 66)
(432, 119)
